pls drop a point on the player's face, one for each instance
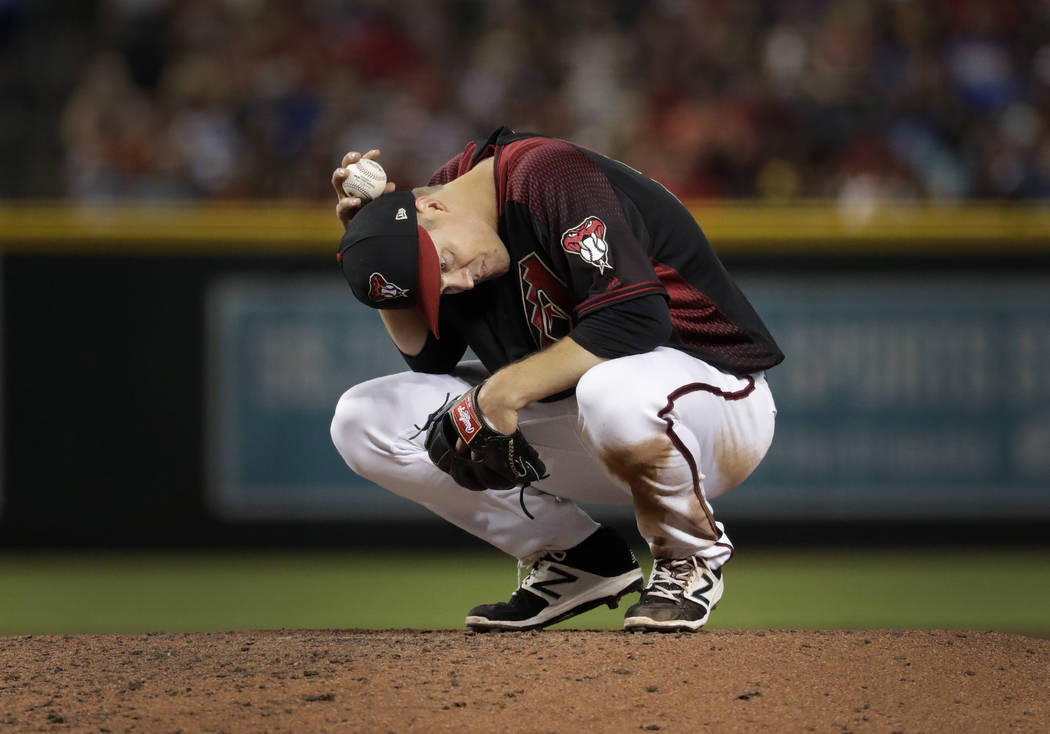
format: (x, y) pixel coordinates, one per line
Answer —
(469, 253)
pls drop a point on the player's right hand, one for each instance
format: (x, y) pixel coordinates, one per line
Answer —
(347, 206)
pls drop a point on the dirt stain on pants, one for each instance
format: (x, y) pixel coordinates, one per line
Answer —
(668, 499)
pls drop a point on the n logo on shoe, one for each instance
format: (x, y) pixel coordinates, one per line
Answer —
(565, 578)
(698, 593)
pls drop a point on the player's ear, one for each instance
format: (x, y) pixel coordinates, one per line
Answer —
(429, 204)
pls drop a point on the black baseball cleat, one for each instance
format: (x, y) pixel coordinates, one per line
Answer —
(680, 597)
(562, 584)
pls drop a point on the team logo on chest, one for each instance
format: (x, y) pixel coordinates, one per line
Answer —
(546, 301)
(381, 289)
(587, 239)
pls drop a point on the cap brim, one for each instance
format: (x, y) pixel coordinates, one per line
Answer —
(428, 298)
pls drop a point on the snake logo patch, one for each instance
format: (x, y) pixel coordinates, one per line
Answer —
(587, 239)
(380, 289)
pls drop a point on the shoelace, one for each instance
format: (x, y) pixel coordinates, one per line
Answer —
(670, 578)
(432, 417)
(532, 562)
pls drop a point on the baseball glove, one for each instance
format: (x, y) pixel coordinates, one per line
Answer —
(493, 460)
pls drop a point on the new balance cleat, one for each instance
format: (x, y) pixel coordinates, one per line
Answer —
(680, 597)
(562, 584)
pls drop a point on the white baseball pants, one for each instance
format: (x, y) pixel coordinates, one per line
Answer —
(663, 431)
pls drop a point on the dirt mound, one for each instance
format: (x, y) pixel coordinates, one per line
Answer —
(562, 681)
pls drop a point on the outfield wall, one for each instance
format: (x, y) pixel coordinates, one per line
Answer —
(169, 373)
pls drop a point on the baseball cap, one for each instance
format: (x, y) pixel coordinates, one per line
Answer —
(389, 260)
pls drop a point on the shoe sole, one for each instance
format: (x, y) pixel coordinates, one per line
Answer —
(594, 598)
(645, 624)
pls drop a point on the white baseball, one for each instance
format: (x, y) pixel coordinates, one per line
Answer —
(593, 249)
(365, 179)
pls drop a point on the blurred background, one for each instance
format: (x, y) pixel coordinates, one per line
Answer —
(875, 174)
(175, 99)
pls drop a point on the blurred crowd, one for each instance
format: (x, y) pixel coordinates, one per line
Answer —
(778, 99)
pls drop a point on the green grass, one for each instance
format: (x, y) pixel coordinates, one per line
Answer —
(1006, 590)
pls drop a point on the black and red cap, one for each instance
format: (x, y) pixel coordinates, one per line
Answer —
(389, 260)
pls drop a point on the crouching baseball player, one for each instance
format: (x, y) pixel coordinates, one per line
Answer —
(619, 363)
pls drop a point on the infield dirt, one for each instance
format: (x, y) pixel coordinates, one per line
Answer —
(552, 681)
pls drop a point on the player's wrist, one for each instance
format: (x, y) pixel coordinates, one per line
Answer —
(498, 393)
(497, 407)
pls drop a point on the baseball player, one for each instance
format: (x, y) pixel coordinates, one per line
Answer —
(619, 363)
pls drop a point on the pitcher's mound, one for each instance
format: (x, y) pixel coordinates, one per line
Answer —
(553, 681)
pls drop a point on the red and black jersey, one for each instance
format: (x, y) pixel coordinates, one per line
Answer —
(599, 251)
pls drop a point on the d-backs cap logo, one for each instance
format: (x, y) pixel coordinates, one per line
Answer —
(587, 239)
(380, 289)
